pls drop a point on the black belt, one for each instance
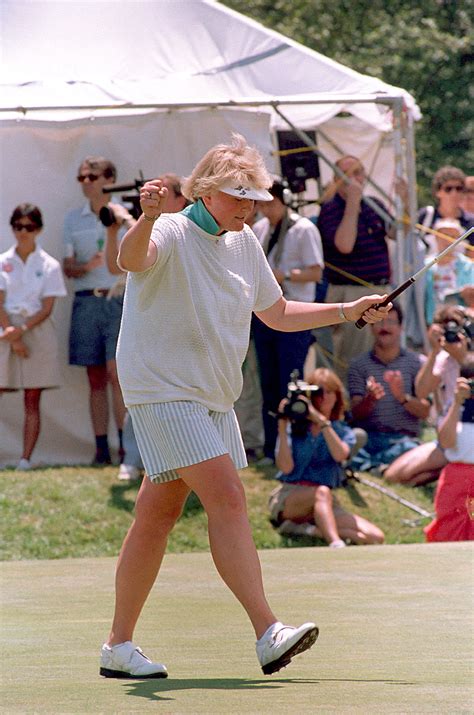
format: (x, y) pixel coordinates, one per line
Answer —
(96, 292)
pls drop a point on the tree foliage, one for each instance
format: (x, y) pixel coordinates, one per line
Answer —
(426, 47)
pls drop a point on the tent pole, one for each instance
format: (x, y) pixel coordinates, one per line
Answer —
(413, 215)
(397, 107)
(308, 141)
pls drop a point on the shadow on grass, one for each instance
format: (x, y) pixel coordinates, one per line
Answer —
(355, 496)
(154, 690)
(123, 496)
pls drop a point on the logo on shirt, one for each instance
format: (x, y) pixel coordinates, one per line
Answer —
(7, 267)
(39, 274)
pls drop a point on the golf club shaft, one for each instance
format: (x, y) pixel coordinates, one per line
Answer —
(401, 288)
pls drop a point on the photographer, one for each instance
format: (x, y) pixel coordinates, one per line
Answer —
(310, 464)
(454, 497)
(450, 344)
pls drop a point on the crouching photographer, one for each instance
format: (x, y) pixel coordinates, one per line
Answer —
(309, 456)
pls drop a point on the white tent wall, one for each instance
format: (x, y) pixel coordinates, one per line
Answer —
(39, 164)
(96, 79)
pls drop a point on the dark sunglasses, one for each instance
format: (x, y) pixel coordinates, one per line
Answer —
(448, 189)
(29, 227)
(92, 177)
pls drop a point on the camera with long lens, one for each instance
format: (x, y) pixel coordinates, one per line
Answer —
(106, 214)
(297, 408)
(452, 330)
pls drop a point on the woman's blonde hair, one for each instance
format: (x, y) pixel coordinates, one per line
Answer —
(328, 379)
(236, 162)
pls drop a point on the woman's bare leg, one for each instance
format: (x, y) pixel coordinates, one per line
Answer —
(157, 509)
(324, 515)
(218, 486)
(357, 529)
(32, 423)
(419, 465)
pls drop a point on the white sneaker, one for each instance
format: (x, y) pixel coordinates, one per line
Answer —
(128, 473)
(337, 544)
(127, 661)
(279, 644)
(24, 465)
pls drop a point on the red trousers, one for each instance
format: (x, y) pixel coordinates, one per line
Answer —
(454, 505)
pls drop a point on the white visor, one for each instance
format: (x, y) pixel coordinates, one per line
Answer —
(246, 192)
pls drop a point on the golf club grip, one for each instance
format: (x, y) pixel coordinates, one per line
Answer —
(391, 296)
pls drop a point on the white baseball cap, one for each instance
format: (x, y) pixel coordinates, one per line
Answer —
(246, 192)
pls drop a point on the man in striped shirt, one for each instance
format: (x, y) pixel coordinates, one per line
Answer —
(381, 386)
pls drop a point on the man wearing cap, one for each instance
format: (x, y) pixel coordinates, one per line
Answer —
(293, 248)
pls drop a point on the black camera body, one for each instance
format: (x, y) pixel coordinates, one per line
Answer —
(452, 330)
(296, 409)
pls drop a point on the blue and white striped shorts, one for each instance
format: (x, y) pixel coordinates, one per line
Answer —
(178, 434)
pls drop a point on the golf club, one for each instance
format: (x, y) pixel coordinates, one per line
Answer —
(403, 286)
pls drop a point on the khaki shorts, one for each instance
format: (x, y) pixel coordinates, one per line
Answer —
(278, 497)
(41, 369)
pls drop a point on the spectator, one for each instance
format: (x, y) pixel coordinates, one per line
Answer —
(293, 248)
(180, 363)
(450, 344)
(310, 468)
(382, 391)
(452, 277)
(95, 321)
(454, 499)
(30, 281)
(448, 187)
(354, 241)
(467, 202)
(131, 466)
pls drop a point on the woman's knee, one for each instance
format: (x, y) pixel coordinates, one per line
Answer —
(156, 512)
(375, 536)
(323, 494)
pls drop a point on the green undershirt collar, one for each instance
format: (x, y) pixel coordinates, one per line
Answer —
(199, 214)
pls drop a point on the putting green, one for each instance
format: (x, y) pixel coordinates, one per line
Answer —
(396, 635)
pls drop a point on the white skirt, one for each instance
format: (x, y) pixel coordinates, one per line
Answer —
(41, 369)
(178, 434)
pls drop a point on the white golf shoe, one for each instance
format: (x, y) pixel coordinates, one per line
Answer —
(127, 661)
(279, 644)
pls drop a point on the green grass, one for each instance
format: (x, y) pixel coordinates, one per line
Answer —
(62, 512)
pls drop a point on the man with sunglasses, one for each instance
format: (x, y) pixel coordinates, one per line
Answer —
(448, 188)
(96, 316)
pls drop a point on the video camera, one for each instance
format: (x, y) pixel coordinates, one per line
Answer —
(106, 215)
(296, 409)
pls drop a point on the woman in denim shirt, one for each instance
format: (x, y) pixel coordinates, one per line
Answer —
(310, 464)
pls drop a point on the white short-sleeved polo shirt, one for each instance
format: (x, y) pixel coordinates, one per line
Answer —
(26, 283)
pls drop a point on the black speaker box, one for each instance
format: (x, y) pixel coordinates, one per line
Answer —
(297, 167)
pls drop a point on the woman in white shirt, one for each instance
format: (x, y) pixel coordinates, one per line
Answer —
(30, 281)
(195, 277)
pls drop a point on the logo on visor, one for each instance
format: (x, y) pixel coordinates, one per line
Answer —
(242, 190)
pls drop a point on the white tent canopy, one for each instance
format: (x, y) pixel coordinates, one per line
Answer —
(152, 84)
